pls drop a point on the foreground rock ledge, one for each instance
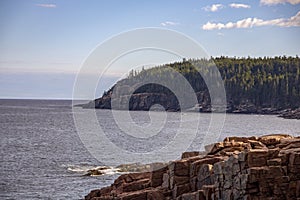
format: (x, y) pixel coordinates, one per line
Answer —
(266, 167)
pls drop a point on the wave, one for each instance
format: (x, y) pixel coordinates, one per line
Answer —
(87, 170)
(92, 170)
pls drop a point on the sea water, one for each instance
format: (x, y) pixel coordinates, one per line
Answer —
(43, 156)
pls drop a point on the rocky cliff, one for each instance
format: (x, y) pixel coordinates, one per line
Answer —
(266, 167)
(144, 101)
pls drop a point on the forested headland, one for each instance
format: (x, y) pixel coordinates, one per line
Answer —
(253, 85)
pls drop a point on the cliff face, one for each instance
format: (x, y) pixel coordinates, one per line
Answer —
(265, 167)
(144, 101)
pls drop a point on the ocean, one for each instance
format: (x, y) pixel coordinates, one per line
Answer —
(45, 155)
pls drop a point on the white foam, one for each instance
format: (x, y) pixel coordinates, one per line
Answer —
(85, 169)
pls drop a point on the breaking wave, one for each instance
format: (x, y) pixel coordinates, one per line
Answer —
(87, 170)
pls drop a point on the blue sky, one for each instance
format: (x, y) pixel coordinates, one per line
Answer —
(43, 43)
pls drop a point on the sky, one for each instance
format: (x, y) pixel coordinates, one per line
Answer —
(44, 43)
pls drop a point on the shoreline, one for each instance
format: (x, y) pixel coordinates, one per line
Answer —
(285, 113)
(238, 168)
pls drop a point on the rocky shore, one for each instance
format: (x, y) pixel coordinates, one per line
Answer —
(291, 114)
(266, 167)
(144, 101)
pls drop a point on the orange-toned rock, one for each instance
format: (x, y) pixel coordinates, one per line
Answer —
(138, 195)
(239, 139)
(195, 166)
(155, 194)
(180, 189)
(93, 194)
(189, 196)
(253, 168)
(179, 168)
(273, 139)
(287, 143)
(274, 162)
(136, 185)
(257, 145)
(257, 157)
(178, 180)
(190, 154)
(157, 171)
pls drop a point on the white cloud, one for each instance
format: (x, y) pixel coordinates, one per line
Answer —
(239, 5)
(168, 23)
(213, 8)
(251, 22)
(46, 5)
(274, 2)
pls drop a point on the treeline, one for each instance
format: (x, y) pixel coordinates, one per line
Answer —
(266, 82)
(263, 82)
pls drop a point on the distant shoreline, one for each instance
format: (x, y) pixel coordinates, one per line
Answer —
(286, 113)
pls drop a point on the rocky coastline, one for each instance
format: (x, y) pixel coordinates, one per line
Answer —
(266, 167)
(251, 86)
(291, 114)
(144, 101)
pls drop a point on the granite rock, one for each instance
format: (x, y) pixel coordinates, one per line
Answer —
(239, 168)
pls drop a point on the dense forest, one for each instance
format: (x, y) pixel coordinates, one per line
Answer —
(253, 85)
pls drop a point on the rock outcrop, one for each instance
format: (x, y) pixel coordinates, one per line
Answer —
(291, 114)
(144, 101)
(266, 167)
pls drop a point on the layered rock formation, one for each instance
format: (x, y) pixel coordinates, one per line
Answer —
(266, 167)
